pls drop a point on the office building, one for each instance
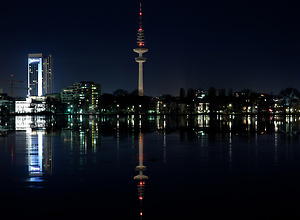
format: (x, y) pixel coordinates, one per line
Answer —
(40, 74)
(33, 104)
(82, 97)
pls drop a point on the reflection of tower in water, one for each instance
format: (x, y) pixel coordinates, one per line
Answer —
(141, 177)
(39, 154)
(39, 147)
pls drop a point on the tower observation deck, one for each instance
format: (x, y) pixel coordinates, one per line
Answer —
(140, 50)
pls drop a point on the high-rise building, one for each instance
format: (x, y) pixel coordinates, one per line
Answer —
(40, 74)
(140, 50)
(47, 74)
(83, 97)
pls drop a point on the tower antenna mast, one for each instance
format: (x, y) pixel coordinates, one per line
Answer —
(140, 50)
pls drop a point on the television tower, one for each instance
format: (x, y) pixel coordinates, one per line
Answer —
(140, 50)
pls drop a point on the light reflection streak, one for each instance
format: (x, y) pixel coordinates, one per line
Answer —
(276, 149)
(141, 177)
(39, 150)
(230, 151)
(165, 146)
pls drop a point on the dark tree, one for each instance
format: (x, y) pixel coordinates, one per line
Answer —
(120, 92)
(212, 92)
(107, 101)
(182, 94)
(289, 97)
(190, 93)
(247, 91)
(230, 92)
(134, 93)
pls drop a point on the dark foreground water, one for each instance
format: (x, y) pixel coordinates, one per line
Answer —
(197, 167)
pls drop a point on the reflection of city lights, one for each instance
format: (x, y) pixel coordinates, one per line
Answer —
(33, 168)
(276, 126)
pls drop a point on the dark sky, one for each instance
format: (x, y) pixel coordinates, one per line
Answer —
(226, 44)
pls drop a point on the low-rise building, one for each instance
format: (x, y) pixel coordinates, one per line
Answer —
(6, 104)
(34, 104)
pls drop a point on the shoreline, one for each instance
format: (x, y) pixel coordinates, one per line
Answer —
(147, 114)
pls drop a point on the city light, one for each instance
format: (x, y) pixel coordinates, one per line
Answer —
(31, 60)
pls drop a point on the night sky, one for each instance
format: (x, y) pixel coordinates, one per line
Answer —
(240, 44)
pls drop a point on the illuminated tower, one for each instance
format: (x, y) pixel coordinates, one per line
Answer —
(47, 74)
(141, 177)
(35, 75)
(40, 74)
(140, 50)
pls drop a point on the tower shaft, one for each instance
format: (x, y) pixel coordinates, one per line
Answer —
(141, 84)
(140, 59)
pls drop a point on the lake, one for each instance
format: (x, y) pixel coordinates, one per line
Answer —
(150, 167)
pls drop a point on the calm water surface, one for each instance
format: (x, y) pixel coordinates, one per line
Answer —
(198, 167)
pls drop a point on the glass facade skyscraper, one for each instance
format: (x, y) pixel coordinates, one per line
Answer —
(40, 74)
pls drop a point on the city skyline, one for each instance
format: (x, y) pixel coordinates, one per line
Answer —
(199, 44)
